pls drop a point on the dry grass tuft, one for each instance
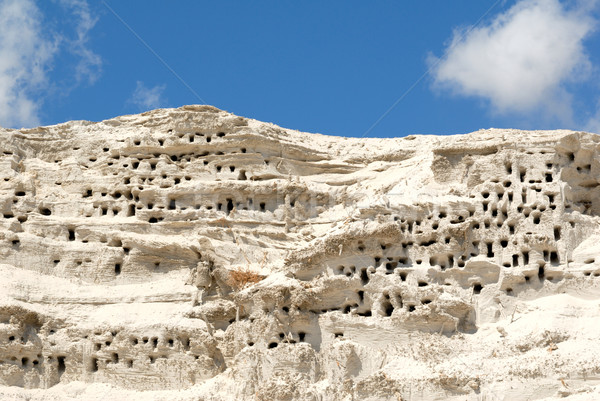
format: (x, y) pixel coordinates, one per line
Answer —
(241, 278)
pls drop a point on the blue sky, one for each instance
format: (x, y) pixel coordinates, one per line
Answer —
(349, 68)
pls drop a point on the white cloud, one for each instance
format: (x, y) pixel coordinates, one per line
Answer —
(147, 98)
(522, 60)
(28, 48)
(25, 56)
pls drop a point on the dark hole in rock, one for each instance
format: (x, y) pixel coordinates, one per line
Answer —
(61, 365)
(273, 345)
(477, 288)
(364, 277)
(388, 308)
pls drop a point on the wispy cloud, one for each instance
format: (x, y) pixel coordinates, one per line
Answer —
(148, 98)
(523, 60)
(89, 65)
(28, 49)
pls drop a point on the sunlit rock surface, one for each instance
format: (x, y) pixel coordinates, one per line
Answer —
(191, 254)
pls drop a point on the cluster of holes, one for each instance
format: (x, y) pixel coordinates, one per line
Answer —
(282, 338)
(159, 348)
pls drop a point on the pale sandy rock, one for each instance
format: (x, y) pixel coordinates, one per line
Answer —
(190, 254)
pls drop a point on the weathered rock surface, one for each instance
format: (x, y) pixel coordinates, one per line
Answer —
(190, 254)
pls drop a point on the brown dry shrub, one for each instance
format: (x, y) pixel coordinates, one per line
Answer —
(241, 278)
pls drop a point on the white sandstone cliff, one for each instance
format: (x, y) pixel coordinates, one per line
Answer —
(191, 254)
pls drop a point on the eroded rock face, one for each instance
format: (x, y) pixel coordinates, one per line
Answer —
(193, 254)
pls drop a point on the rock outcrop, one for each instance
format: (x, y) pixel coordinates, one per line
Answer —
(192, 254)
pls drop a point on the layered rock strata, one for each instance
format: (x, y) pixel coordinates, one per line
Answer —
(193, 254)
